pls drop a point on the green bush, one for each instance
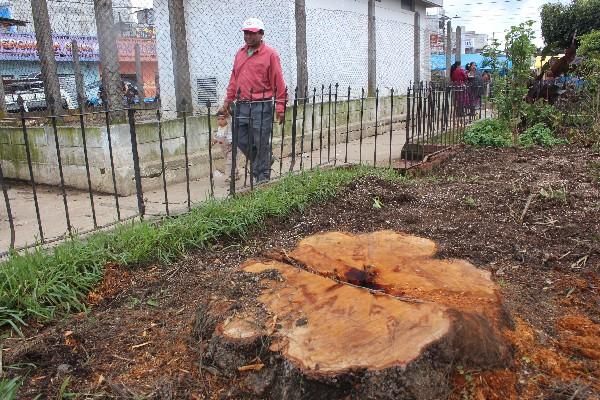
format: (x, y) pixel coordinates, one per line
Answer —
(540, 135)
(488, 133)
(541, 112)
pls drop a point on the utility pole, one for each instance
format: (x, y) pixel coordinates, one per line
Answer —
(45, 48)
(78, 75)
(109, 56)
(372, 50)
(301, 52)
(459, 44)
(139, 77)
(417, 48)
(448, 49)
(179, 53)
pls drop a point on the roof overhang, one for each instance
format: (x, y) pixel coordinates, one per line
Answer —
(433, 3)
(11, 22)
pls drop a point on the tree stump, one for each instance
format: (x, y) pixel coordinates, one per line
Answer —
(368, 316)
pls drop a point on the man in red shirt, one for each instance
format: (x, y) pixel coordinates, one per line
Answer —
(255, 86)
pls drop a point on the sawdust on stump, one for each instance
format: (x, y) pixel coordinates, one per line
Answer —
(373, 315)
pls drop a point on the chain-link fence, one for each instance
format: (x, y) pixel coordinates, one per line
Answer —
(133, 132)
(186, 48)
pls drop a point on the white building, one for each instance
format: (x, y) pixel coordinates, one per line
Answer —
(336, 42)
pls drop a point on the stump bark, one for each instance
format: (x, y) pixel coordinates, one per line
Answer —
(359, 316)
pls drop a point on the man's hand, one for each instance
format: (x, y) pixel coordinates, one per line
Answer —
(226, 109)
(280, 117)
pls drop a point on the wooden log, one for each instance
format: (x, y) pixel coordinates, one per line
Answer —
(334, 325)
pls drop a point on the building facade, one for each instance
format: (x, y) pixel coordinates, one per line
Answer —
(337, 41)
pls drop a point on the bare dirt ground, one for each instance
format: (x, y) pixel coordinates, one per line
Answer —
(140, 341)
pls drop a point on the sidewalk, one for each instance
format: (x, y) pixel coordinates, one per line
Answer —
(52, 210)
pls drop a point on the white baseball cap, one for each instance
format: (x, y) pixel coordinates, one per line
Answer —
(253, 25)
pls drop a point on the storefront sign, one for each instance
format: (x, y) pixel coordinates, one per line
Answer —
(23, 47)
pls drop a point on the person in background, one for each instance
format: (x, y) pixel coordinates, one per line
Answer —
(474, 88)
(223, 139)
(459, 78)
(255, 86)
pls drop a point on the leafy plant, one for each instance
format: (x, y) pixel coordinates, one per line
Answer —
(554, 194)
(540, 135)
(470, 201)
(377, 204)
(488, 133)
(541, 112)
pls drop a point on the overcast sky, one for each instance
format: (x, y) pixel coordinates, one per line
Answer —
(493, 17)
(496, 16)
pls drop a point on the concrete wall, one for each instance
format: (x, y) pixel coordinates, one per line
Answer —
(45, 161)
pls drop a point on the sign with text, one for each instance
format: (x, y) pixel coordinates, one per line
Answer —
(23, 47)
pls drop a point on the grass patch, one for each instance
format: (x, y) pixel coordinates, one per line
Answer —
(9, 388)
(44, 284)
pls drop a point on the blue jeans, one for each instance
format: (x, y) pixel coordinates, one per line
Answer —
(252, 127)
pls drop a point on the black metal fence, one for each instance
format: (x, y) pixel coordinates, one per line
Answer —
(159, 160)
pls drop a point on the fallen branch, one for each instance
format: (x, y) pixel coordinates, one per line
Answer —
(527, 204)
(252, 367)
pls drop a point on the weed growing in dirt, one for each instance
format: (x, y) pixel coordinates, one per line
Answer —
(469, 201)
(539, 134)
(550, 193)
(41, 284)
(488, 133)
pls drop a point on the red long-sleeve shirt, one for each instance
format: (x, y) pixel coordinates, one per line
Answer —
(260, 72)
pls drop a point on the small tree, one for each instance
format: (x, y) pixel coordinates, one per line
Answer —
(520, 51)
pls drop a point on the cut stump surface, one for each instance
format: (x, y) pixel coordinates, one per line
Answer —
(372, 315)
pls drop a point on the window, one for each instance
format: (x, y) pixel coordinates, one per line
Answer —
(406, 5)
(207, 90)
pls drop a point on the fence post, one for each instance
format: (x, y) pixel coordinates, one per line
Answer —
(376, 127)
(294, 133)
(32, 179)
(347, 125)
(2, 100)
(8, 209)
(282, 132)
(335, 104)
(60, 171)
(305, 97)
(87, 165)
(210, 158)
(408, 110)
(391, 123)
(136, 163)
(162, 157)
(110, 153)
(183, 111)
